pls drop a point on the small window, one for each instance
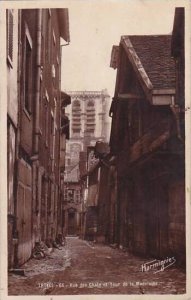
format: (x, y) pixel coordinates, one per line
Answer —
(52, 138)
(10, 37)
(53, 72)
(41, 104)
(46, 125)
(54, 38)
(52, 124)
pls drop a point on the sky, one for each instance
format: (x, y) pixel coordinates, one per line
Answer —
(96, 26)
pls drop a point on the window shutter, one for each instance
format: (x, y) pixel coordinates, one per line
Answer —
(10, 37)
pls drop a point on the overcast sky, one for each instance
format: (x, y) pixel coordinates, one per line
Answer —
(96, 26)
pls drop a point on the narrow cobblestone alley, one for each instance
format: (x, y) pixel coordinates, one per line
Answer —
(96, 199)
(84, 268)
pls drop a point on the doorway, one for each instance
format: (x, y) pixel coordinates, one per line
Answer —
(72, 224)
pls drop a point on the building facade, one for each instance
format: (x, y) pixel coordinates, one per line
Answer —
(89, 123)
(177, 232)
(12, 125)
(141, 184)
(148, 146)
(73, 209)
(38, 97)
(64, 136)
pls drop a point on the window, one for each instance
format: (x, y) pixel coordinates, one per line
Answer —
(10, 37)
(54, 38)
(90, 119)
(90, 130)
(43, 37)
(54, 143)
(70, 195)
(41, 105)
(52, 124)
(10, 166)
(27, 71)
(78, 196)
(52, 139)
(46, 125)
(66, 194)
(49, 37)
(76, 105)
(90, 104)
(76, 130)
(76, 117)
(46, 119)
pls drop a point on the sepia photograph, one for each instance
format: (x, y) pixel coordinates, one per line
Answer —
(96, 160)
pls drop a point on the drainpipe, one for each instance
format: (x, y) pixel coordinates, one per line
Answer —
(17, 143)
(35, 156)
(38, 73)
(59, 178)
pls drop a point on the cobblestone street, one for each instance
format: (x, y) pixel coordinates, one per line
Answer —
(84, 268)
(95, 189)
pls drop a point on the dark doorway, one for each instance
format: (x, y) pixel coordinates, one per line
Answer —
(72, 222)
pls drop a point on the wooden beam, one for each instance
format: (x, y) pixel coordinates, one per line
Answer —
(162, 99)
(164, 92)
(129, 96)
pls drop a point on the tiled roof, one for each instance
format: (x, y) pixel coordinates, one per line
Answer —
(154, 52)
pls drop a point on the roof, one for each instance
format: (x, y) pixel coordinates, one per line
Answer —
(114, 57)
(85, 95)
(152, 55)
(66, 99)
(63, 18)
(178, 31)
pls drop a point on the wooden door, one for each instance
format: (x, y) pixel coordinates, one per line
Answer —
(157, 219)
(152, 222)
(24, 223)
(24, 213)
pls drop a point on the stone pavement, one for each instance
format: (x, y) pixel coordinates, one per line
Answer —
(84, 268)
